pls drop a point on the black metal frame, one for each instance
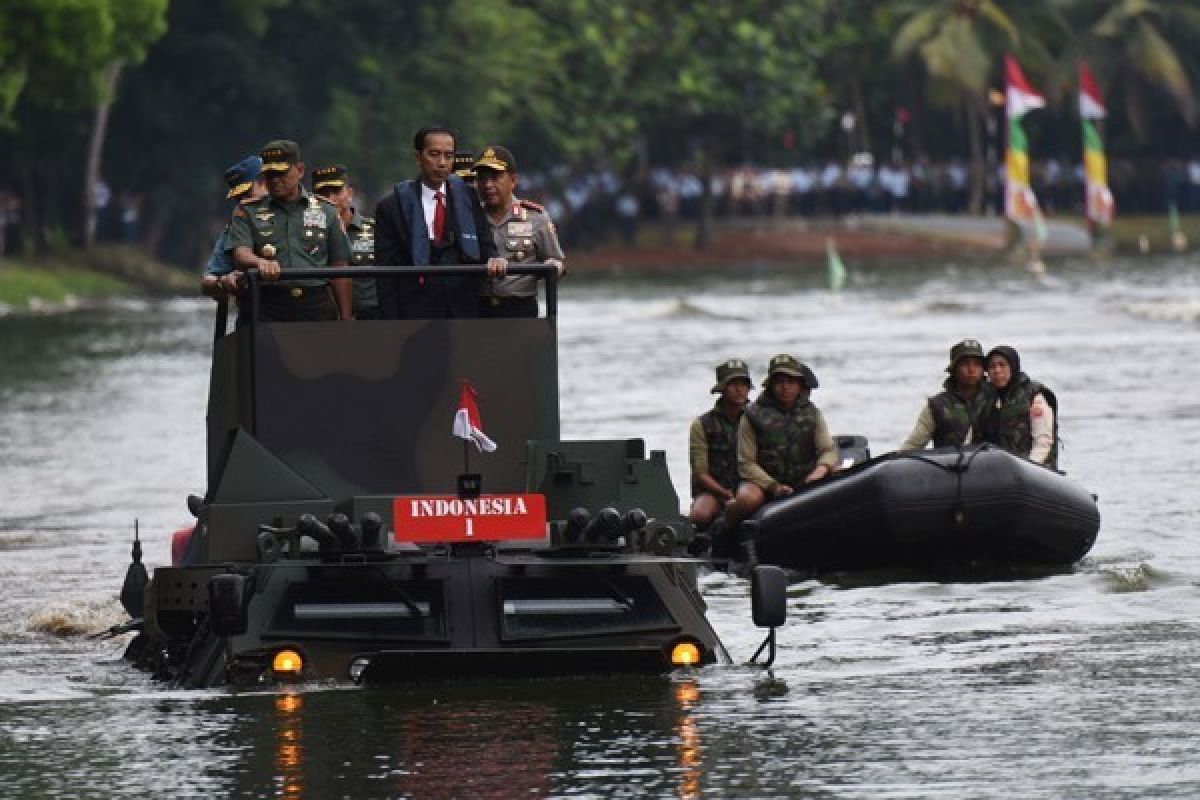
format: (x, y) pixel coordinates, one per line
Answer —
(548, 273)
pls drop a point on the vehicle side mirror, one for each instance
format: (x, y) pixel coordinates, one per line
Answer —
(768, 603)
(768, 596)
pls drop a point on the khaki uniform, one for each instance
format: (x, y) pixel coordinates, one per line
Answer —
(523, 236)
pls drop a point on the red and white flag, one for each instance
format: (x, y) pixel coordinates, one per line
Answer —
(466, 420)
(1020, 98)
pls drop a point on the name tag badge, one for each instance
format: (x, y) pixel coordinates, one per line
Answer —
(520, 229)
(314, 217)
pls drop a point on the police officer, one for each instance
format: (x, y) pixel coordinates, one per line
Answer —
(960, 413)
(291, 229)
(712, 444)
(332, 183)
(522, 235)
(783, 440)
(1024, 421)
(245, 185)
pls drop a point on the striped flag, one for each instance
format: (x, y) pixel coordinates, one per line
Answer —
(1020, 204)
(467, 424)
(1099, 200)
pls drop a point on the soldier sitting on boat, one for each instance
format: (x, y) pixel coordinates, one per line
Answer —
(1025, 412)
(783, 440)
(960, 413)
(712, 444)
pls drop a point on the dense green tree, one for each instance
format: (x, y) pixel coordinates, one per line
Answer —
(1138, 49)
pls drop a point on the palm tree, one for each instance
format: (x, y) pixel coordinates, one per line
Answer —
(1128, 44)
(959, 43)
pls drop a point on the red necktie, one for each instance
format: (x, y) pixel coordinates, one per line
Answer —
(439, 216)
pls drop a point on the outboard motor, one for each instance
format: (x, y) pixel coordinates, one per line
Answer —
(133, 592)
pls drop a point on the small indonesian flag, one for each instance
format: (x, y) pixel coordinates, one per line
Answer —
(1020, 98)
(466, 420)
(1091, 102)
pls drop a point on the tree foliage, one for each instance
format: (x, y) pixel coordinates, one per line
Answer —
(619, 84)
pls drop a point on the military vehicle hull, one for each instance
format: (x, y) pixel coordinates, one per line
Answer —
(346, 535)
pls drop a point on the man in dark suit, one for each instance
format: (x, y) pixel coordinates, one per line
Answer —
(435, 219)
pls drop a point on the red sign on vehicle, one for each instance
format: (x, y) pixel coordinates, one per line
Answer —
(487, 518)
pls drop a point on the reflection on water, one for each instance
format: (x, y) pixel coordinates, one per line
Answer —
(1075, 684)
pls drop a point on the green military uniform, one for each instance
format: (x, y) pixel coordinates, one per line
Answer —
(712, 438)
(360, 231)
(949, 418)
(300, 234)
(780, 445)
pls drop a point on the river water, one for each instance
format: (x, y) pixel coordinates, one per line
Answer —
(1076, 685)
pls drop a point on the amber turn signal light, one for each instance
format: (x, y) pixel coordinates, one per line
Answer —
(287, 662)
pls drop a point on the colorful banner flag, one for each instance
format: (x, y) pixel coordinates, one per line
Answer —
(467, 424)
(1099, 204)
(1020, 204)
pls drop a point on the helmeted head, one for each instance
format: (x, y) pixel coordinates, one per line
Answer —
(732, 370)
(967, 348)
(1002, 364)
(784, 364)
(240, 178)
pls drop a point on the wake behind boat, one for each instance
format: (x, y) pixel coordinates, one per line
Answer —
(931, 510)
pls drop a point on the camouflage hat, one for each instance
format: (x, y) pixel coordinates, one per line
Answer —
(967, 348)
(241, 176)
(331, 177)
(279, 155)
(496, 157)
(784, 364)
(731, 370)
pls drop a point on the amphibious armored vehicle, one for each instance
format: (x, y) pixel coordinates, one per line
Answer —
(346, 534)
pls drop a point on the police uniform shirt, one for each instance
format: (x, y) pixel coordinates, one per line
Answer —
(300, 234)
(523, 236)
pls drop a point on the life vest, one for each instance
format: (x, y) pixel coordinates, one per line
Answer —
(721, 435)
(787, 448)
(408, 195)
(953, 416)
(1011, 426)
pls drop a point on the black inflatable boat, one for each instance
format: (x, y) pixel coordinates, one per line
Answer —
(930, 509)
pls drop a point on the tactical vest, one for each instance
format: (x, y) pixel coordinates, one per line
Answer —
(953, 416)
(721, 435)
(787, 448)
(1011, 425)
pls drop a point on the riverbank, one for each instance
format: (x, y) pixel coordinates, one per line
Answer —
(77, 278)
(791, 243)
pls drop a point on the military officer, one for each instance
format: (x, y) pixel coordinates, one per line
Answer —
(245, 185)
(291, 229)
(783, 440)
(522, 235)
(333, 184)
(960, 413)
(712, 444)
